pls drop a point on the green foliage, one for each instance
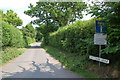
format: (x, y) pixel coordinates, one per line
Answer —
(111, 11)
(5, 33)
(78, 37)
(1, 13)
(52, 15)
(73, 62)
(29, 40)
(45, 29)
(38, 34)
(29, 33)
(9, 53)
(111, 14)
(11, 36)
(75, 37)
(12, 18)
(16, 38)
(60, 13)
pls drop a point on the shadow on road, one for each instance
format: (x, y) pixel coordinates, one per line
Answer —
(34, 69)
(45, 70)
(35, 47)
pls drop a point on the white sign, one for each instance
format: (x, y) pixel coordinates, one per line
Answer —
(100, 39)
(99, 59)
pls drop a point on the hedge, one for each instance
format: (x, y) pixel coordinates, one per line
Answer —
(29, 40)
(5, 34)
(76, 37)
(11, 36)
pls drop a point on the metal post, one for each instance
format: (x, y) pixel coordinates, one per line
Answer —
(99, 53)
(100, 29)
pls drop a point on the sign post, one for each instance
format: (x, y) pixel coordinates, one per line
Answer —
(99, 53)
(99, 59)
(100, 39)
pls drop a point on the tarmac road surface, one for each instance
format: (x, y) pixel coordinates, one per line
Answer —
(36, 63)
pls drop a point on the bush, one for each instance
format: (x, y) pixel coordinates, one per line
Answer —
(76, 37)
(29, 34)
(17, 38)
(9, 53)
(11, 36)
(29, 40)
(5, 34)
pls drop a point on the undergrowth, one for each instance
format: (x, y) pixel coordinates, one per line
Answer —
(73, 62)
(10, 53)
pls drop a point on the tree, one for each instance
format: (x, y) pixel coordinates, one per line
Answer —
(60, 13)
(110, 12)
(29, 30)
(52, 15)
(38, 34)
(11, 36)
(1, 12)
(11, 17)
(29, 33)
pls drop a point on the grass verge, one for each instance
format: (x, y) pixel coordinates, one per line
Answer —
(71, 61)
(10, 53)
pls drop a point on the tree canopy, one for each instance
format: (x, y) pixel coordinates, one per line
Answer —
(60, 13)
(12, 18)
(107, 10)
(52, 15)
(29, 31)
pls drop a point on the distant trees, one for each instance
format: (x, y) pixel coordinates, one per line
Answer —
(38, 34)
(29, 33)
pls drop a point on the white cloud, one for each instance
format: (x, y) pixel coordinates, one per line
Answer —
(16, 4)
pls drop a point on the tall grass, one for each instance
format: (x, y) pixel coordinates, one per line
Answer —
(10, 53)
(72, 61)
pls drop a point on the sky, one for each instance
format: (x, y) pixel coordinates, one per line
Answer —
(19, 6)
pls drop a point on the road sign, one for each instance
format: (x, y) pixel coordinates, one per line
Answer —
(100, 27)
(99, 59)
(100, 39)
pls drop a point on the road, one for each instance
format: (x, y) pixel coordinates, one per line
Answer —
(36, 63)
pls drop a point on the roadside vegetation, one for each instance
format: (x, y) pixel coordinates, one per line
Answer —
(10, 53)
(73, 62)
(14, 40)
